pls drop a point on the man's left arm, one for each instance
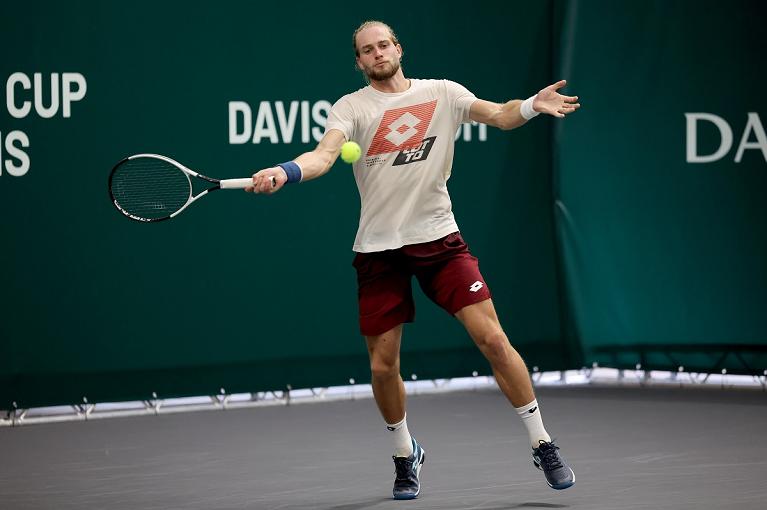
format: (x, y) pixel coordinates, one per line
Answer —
(516, 112)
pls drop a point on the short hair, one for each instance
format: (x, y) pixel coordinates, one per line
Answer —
(371, 23)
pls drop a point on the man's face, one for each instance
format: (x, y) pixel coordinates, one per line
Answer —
(378, 56)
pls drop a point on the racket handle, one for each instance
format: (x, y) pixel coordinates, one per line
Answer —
(236, 183)
(241, 183)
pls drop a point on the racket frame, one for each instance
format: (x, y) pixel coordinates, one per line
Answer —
(188, 172)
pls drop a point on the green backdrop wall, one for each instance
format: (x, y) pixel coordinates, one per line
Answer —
(662, 223)
(94, 305)
(612, 236)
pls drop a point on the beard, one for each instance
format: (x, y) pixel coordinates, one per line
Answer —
(384, 72)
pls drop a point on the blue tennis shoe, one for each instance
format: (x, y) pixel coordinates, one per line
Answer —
(558, 474)
(407, 484)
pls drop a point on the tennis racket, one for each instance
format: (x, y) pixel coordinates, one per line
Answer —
(150, 187)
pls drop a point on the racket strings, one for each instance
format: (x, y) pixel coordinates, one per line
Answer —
(150, 188)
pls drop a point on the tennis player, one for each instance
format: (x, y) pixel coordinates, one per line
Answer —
(406, 128)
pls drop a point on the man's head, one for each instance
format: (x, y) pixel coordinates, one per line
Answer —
(377, 50)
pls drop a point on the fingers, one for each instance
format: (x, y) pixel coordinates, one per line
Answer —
(558, 85)
(267, 181)
(566, 109)
(563, 109)
(264, 184)
(254, 187)
(257, 186)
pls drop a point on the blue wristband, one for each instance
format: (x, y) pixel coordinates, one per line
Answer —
(292, 170)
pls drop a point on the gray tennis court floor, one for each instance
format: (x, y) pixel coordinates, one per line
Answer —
(630, 449)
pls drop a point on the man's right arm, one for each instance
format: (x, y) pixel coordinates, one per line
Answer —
(313, 164)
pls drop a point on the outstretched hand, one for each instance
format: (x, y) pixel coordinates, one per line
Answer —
(553, 103)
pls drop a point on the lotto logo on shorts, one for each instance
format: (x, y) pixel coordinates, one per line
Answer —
(476, 286)
(402, 129)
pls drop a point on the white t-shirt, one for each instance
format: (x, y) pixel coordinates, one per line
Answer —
(407, 143)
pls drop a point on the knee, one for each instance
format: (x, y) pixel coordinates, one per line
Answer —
(495, 345)
(384, 367)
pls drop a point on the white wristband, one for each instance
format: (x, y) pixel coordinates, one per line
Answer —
(526, 108)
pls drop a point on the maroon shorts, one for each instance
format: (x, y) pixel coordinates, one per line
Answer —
(448, 274)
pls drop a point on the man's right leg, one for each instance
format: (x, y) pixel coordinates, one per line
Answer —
(388, 388)
(386, 302)
(389, 393)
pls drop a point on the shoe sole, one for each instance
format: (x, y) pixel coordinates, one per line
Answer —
(418, 475)
(561, 486)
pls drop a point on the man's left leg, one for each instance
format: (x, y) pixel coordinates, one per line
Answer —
(481, 322)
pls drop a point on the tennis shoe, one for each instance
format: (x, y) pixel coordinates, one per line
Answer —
(547, 458)
(407, 483)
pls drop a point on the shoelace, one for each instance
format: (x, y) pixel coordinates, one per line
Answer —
(549, 455)
(403, 467)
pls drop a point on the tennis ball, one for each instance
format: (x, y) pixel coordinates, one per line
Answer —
(350, 152)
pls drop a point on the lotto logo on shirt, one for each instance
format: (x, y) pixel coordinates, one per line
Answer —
(418, 153)
(403, 129)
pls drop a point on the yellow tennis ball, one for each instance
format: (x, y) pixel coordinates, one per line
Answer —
(350, 152)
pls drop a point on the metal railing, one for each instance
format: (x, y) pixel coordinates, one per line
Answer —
(595, 375)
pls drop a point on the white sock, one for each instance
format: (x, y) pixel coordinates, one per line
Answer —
(403, 444)
(531, 418)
